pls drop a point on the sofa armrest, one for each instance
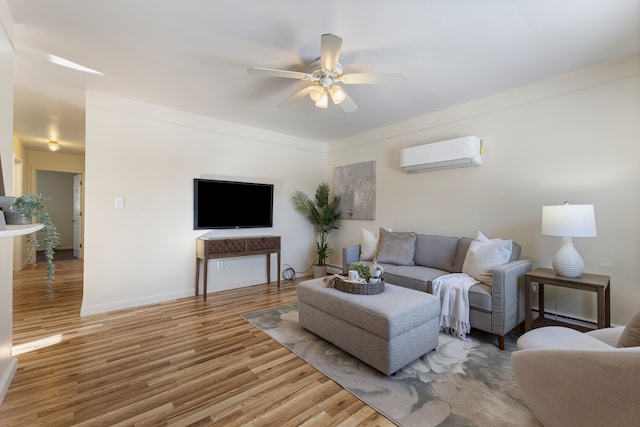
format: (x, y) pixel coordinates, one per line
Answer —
(607, 335)
(580, 388)
(507, 296)
(350, 254)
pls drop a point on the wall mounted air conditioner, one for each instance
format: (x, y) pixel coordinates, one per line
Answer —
(452, 153)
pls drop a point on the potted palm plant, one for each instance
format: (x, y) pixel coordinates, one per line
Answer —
(324, 215)
(25, 210)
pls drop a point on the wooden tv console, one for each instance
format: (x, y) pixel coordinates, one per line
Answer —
(227, 247)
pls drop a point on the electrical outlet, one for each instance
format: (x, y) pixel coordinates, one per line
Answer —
(534, 288)
(220, 265)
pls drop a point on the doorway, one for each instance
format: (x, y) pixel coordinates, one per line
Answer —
(65, 192)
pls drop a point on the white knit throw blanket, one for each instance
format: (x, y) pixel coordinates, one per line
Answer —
(453, 291)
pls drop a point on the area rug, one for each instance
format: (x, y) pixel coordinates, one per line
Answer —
(460, 383)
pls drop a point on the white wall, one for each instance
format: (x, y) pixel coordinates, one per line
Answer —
(8, 364)
(32, 162)
(150, 156)
(575, 138)
(572, 138)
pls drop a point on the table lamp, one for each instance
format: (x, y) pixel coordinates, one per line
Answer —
(568, 221)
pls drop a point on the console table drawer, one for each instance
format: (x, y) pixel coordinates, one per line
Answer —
(225, 246)
(261, 243)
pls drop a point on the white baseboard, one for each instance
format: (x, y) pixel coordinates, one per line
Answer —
(567, 319)
(7, 377)
(136, 302)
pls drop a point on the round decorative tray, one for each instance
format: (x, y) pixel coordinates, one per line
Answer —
(345, 285)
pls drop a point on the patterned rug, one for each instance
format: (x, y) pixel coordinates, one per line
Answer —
(460, 383)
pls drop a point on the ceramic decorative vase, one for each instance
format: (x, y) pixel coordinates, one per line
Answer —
(13, 217)
(376, 270)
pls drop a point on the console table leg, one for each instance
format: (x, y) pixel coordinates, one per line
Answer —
(541, 300)
(268, 268)
(607, 306)
(204, 278)
(527, 302)
(278, 254)
(197, 276)
(601, 309)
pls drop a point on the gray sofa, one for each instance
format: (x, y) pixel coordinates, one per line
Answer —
(496, 309)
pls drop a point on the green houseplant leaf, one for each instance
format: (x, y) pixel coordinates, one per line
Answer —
(322, 213)
(32, 205)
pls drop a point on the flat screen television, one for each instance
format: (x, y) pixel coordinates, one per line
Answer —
(230, 204)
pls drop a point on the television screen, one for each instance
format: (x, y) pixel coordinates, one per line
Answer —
(229, 204)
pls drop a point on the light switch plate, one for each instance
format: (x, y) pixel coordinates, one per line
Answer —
(119, 202)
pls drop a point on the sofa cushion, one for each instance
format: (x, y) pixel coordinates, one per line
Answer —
(396, 248)
(631, 334)
(368, 245)
(515, 251)
(483, 255)
(413, 277)
(461, 253)
(435, 251)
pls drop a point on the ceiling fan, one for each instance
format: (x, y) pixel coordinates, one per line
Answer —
(324, 74)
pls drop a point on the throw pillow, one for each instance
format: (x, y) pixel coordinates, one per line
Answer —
(484, 254)
(631, 334)
(368, 245)
(396, 248)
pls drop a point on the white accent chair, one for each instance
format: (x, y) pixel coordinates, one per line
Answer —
(569, 378)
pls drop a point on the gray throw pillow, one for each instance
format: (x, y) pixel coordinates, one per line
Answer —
(396, 248)
(631, 335)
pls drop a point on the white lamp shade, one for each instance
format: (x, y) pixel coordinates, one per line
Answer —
(337, 94)
(569, 221)
(323, 102)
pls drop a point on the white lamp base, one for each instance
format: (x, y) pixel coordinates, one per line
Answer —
(567, 262)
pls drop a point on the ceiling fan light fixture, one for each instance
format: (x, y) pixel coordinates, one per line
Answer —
(54, 146)
(337, 94)
(323, 76)
(323, 102)
(316, 93)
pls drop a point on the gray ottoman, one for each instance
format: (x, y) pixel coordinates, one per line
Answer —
(386, 330)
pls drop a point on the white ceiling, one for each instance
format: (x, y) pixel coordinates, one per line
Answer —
(192, 55)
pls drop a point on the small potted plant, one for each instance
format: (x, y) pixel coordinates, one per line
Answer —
(364, 272)
(368, 272)
(324, 215)
(25, 210)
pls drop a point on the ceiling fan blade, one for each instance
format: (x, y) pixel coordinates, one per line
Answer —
(278, 73)
(372, 78)
(296, 96)
(330, 51)
(348, 105)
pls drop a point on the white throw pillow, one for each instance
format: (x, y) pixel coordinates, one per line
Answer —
(368, 245)
(483, 255)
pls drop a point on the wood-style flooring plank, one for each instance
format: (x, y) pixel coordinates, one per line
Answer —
(177, 363)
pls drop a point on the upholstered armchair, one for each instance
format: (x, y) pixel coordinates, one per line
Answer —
(569, 378)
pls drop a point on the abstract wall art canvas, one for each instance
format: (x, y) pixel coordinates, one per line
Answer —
(355, 186)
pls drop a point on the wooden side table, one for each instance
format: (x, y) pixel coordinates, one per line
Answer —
(599, 284)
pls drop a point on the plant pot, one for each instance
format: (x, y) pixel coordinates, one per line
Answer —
(319, 271)
(13, 217)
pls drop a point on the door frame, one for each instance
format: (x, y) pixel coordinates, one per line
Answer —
(33, 186)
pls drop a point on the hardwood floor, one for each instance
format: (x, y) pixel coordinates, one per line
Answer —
(182, 363)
